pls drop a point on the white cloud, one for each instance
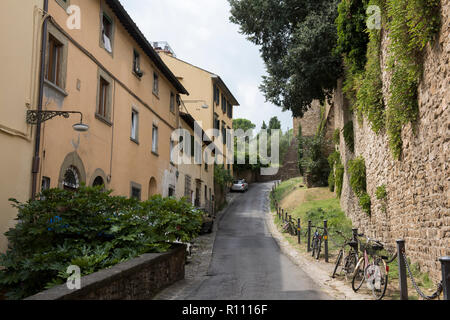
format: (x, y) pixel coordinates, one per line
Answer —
(199, 31)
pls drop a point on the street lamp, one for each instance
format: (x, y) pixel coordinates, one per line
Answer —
(39, 116)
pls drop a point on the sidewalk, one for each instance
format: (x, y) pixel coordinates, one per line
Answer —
(196, 270)
(319, 271)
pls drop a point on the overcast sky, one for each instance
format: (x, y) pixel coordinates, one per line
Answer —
(199, 31)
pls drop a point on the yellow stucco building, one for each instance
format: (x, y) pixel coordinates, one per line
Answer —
(210, 103)
(109, 72)
(20, 34)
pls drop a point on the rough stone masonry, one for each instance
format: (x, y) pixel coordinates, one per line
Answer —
(418, 196)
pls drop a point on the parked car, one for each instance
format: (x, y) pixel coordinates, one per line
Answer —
(239, 185)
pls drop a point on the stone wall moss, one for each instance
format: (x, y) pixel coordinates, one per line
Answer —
(411, 25)
(358, 183)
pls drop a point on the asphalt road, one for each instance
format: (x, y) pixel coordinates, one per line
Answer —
(247, 263)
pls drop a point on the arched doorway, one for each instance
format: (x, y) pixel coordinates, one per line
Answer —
(99, 182)
(152, 188)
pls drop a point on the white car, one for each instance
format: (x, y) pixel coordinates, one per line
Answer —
(239, 185)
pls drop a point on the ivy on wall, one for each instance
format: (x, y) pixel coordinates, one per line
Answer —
(411, 24)
(357, 172)
(336, 178)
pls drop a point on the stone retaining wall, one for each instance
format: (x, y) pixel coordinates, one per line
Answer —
(137, 279)
(418, 201)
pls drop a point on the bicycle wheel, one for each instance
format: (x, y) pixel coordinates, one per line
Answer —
(350, 262)
(314, 248)
(378, 279)
(319, 247)
(338, 262)
(358, 276)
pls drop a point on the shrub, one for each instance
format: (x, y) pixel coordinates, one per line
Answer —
(357, 172)
(381, 192)
(337, 136)
(339, 178)
(364, 202)
(88, 228)
(313, 162)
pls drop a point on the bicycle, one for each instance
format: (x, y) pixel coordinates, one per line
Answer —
(317, 243)
(371, 268)
(347, 264)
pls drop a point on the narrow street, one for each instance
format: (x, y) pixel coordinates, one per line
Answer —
(247, 263)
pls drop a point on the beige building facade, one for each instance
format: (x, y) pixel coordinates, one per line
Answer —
(108, 71)
(210, 102)
(21, 23)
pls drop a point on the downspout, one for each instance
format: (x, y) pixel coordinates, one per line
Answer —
(37, 145)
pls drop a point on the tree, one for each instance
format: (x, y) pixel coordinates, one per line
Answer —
(297, 39)
(243, 124)
(264, 126)
(274, 124)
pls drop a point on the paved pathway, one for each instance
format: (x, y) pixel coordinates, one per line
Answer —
(246, 263)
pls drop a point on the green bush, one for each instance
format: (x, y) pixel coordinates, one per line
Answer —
(88, 228)
(331, 181)
(339, 178)
(357, 172)
(364, 202)
(337, 136)
(222, 177)
(313, 162)
(381, 192)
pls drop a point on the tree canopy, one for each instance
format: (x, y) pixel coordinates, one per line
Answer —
(274, 123)
(297, 40)
(243, 124)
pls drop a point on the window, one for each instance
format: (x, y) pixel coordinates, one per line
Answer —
(217, 95)
(137, 64)
(206, 193)
(103, 98)
(134, 125)
(155, 83)
(187, 187)
(172, 146)
(172, 102)
(53, 72)
(107, 33)
(45, 183)
(71, 179)
(224, 104)
(171, 191)
(230, 110)
(224, 133)
(155, 139)
(216, 121)
(136, 193)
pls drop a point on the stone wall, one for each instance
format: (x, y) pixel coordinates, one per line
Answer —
(309, 122)
(138, 279)
(418, 201)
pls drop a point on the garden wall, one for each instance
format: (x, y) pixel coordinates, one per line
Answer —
(138, 279)
(418, 194)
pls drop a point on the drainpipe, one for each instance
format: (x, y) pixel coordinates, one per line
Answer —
(37, 145)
